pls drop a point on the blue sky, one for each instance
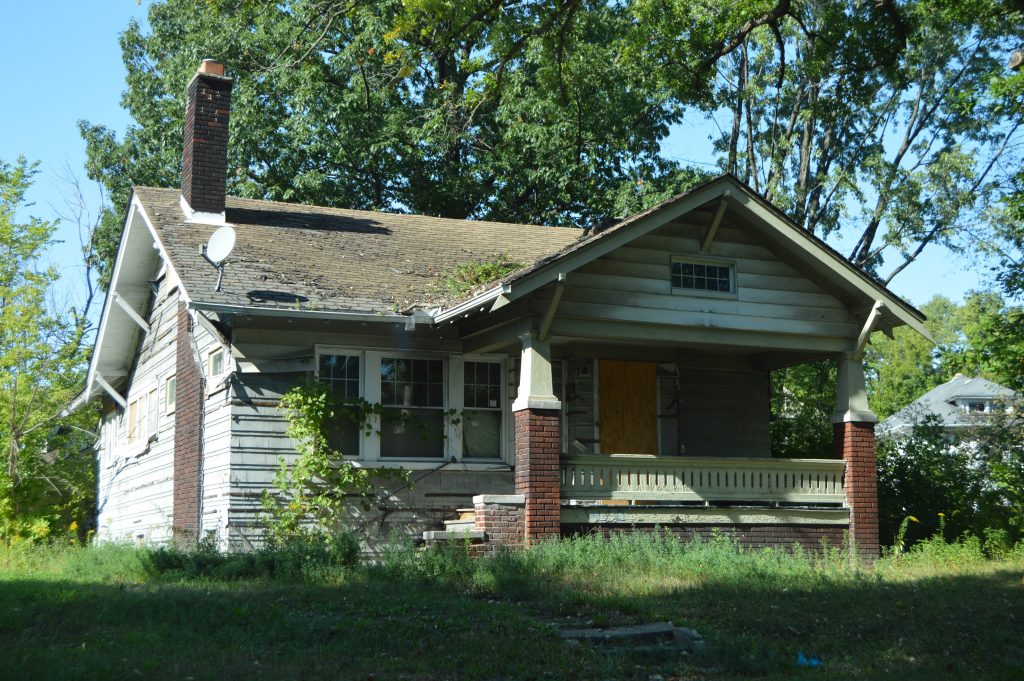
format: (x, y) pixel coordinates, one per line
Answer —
(63, 64)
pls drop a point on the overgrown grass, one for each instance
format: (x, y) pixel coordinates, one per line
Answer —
(940, 610)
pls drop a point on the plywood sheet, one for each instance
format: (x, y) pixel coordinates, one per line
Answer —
(628, 399)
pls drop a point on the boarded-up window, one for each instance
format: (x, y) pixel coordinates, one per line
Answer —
(628, 399)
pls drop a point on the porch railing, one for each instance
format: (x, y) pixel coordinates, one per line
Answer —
(649, 478)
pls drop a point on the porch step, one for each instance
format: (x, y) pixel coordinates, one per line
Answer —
(459, 525)
(466, 513)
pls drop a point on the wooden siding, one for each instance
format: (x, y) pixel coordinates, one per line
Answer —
(632, 285)
(268, 367)
(135, 481)
(216, 470)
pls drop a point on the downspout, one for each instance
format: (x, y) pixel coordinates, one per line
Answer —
(197, 358)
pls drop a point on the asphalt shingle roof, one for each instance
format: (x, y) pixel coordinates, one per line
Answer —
(334, 259)
(940, 401)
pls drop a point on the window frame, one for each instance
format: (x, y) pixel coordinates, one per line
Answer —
(453, 391)
(142, 425)
(504, 402)
(731, 294)
(170, 405)
(223, 362)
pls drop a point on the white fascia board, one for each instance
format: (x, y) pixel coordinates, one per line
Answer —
(160, 247)
(135, 209)
(298, 314)
(842, 268)
(481, 300)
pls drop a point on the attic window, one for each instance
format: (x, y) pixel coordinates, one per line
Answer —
(976, 407)
(700, 275)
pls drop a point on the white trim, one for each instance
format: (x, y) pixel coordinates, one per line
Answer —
(716, 222)
(731, 294)
(130, 311)
(169, 409)
(464, 308)
(200, 217)
(116, 396)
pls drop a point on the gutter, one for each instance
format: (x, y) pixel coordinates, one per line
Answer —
(302, 314)
(481, 300)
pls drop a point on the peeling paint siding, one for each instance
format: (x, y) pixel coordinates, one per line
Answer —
(216, 463)
(135, 481)
(259, 440)
(633, 284)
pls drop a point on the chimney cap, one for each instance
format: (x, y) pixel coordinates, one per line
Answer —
(211, 67)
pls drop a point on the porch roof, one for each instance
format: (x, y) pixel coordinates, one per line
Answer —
(813, 255)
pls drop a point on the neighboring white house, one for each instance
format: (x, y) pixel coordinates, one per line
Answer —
(961, 402)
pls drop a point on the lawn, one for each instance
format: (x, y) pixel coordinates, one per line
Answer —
(120, 613)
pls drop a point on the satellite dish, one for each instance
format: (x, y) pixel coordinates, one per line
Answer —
(218, 248)
(220, 244)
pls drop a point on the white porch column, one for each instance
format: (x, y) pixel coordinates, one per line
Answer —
(853, 436)
(537, 414)
(536, 386)
(851, 393)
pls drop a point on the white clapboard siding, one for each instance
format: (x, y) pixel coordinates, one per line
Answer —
(632, 285)
(216, 443)
(259, 441)
(135, 483)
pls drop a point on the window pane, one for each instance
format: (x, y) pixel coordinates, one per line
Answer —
(412, 383)
(412, 433)
(481, 434)
(170, 392)
(343, 435)
(701, 277)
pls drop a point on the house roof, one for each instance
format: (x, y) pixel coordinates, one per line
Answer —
(821, 261)
(941, 401)
(300, 260)
(290, 255)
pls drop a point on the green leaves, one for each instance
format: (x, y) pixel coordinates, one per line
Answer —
(316, 489)
(45, 482)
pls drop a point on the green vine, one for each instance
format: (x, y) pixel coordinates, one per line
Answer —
(320, 485)
(315, 491)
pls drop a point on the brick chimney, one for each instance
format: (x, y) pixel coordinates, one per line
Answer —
(205, 156)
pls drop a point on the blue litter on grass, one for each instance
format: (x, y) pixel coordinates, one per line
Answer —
(804, 661)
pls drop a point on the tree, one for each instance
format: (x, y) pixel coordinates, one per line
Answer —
(803, 399)
(873, 120)
(509, 111)
(45, 482)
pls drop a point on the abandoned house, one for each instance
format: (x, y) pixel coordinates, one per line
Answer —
(618, 379)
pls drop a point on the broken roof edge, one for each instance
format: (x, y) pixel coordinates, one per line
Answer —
(415, 316)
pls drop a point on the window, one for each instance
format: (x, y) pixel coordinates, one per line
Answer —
(702, 276)
(341, 373)
(976, 407)
(215, 363)
(142, 417)
(412, 394)
(483, 409)
(170, 394)
(429, 407)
